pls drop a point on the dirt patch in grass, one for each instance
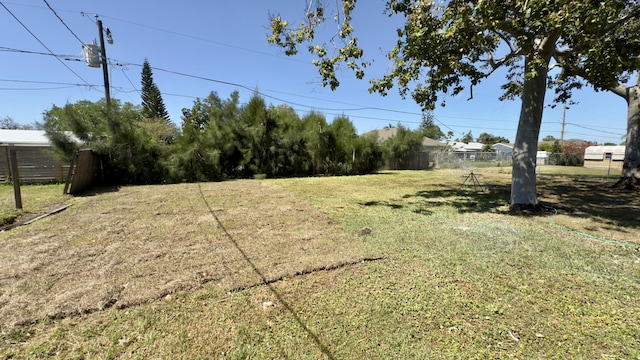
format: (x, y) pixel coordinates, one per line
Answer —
(136, 244)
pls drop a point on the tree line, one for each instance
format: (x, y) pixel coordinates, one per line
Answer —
(221, 139)
(218, 139)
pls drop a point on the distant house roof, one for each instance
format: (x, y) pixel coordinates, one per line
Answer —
(429, 142)
(383, 134)
(387, 133)
(23, 137)
(465, 147)
(502, 145)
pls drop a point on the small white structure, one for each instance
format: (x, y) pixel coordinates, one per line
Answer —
(465, 151)
(542, 158)
(604, 156)
(463, 147)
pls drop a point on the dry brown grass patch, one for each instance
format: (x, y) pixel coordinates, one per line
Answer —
(137, 244)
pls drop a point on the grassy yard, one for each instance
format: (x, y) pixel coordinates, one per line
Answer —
(400, 265)
(35, 200)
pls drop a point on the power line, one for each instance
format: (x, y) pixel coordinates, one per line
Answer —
(325, 110)
(288, 58)
(62, 21)
(589, 128)
(41, 43)
(43, 82)
(312, 108)
(36, 89)
(204, 40)
(64, 85)
(583, 134)
(64, 56)
(127, 77)
(301, 110)
(273, 97)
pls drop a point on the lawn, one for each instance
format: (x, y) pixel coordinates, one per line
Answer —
(408, 264)
(36, 199)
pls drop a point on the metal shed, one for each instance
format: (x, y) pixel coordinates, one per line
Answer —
(604, 156)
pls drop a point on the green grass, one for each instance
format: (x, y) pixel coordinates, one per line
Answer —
(35, 199)
(462, 279)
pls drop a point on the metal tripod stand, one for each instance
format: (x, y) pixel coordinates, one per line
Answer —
(472, 180)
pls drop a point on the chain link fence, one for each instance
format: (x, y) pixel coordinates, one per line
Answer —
(454, 160)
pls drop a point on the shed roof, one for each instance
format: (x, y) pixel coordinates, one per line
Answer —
(619, 149)
(598, 152)
(23, 137)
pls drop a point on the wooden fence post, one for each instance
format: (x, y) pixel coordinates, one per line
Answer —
(15, 177)
(65, 191)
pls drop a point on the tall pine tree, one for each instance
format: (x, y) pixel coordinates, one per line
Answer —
(152, 104)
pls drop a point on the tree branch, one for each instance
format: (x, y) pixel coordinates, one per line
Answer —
(621, 91)
(635, 12)
(495, 64)
(505, 38)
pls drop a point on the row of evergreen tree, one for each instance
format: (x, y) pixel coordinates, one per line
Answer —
(221, 139)
(218, 139)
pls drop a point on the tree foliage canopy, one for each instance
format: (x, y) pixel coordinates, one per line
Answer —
(220, 139)
(444, 48)
(467, 138)
(9, 123)
(429, 128)
(129, 154)
(490, 139)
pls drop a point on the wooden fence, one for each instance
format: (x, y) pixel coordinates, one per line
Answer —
(36, 164)
(84, 171)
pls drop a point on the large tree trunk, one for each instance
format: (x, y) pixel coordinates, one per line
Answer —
(523, 175)
(631, 167)
(630, 178)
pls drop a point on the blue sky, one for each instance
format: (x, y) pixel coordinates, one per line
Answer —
(222, 46)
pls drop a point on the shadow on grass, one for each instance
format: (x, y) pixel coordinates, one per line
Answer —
(596, 201)
(383, 203)
(464, 200)
(97, 190)
(582, 198)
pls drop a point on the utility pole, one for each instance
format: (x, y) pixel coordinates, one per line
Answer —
(105, 71)
(564, 113)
